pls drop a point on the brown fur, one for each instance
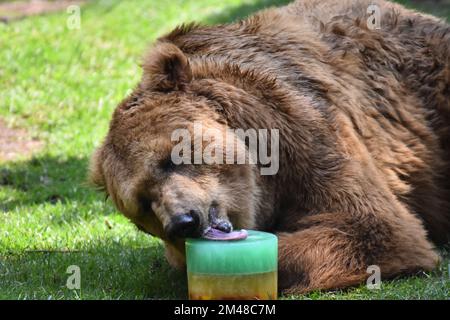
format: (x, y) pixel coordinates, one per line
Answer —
(364, 120)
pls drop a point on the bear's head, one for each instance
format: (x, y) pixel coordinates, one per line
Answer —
(164, 161)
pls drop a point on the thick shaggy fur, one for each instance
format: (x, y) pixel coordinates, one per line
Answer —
(364, 120)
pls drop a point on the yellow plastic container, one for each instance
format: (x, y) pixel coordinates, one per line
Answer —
(238, 269)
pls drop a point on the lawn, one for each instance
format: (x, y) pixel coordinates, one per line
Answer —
(62, 85)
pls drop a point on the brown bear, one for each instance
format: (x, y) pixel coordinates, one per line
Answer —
(360, 94)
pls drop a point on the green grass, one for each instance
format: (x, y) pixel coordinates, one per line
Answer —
(62, 85)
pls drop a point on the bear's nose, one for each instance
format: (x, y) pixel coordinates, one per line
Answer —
(184, 225)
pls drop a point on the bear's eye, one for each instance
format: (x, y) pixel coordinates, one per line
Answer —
(145, 203)
(132, 102)
(167, 165)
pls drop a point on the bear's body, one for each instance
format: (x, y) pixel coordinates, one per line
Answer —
(364, 122)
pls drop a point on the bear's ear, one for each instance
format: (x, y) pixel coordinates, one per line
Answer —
(95, 175)
(166, 68)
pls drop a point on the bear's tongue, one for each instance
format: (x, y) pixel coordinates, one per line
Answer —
(220, 229)
(216, 234)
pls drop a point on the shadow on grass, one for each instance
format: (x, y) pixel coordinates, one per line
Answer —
(46, 179)
(244, 10)
(112, 272)
(439, 8)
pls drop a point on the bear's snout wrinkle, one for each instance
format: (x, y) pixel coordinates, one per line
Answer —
(185, 225)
